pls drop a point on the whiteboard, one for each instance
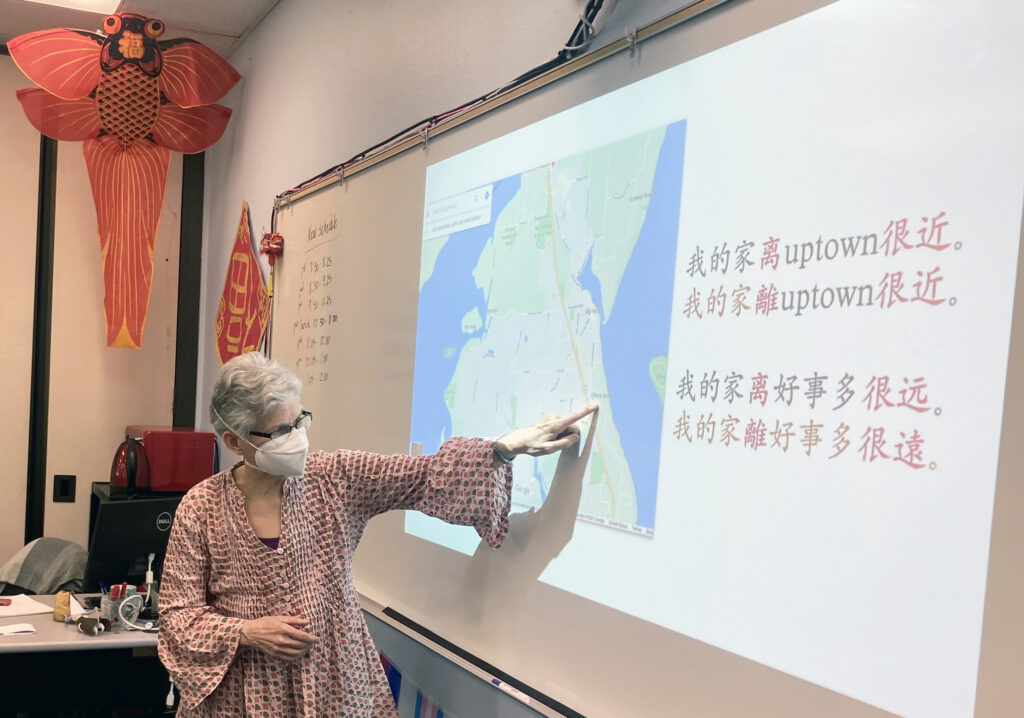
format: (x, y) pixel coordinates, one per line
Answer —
(837, 587)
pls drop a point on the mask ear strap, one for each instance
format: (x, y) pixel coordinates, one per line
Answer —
(232, 429)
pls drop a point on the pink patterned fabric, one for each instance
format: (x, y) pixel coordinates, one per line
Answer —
(217, 574)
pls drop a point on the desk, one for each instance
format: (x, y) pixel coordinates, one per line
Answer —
(59, 668)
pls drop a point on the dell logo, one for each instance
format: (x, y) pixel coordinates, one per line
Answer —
(163, 521)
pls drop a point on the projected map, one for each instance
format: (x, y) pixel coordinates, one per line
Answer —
(549, 289)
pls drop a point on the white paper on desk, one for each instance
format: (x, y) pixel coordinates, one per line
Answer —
(22, 605)
(76, 608)
(16, 629)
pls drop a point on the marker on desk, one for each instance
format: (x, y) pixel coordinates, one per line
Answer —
(515, 693)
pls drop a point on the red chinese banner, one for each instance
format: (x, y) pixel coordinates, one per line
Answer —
(244, 309)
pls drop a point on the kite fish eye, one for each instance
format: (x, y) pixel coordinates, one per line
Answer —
(154, 28)
(112, 24)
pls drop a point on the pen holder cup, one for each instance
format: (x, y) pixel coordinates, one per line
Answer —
(108, 610)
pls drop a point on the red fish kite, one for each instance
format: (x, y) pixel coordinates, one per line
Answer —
(130, 99)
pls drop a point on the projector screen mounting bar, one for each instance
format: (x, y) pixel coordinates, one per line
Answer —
(629, 42)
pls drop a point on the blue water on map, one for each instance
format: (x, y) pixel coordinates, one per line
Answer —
(589, 282)
(637, 328)
(633, 332)
(445, 298)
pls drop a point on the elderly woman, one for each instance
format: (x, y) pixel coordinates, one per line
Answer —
(258, 612)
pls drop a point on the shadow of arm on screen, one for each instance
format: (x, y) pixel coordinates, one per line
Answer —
(499, 579)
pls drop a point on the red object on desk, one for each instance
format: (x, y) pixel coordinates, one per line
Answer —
(161, 459)
(5, 602)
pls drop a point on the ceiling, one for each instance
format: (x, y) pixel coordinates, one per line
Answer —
(219, 24)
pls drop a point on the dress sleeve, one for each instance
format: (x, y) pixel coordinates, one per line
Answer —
(196, 644)
(458, 484)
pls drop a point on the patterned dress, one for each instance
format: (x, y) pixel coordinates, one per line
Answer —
(217, 574)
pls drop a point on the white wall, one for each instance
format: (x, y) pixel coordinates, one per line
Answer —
(19, 150)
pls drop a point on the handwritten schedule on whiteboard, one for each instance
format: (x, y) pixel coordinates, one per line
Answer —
(315, 320)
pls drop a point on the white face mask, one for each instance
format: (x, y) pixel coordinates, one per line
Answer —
(283, 456)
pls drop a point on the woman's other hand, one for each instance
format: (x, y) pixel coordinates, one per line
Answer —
(278, 636)
(550, 434)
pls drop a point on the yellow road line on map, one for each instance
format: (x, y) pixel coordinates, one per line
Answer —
(572, 343)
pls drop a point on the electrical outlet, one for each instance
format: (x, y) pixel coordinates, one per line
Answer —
(64, 488)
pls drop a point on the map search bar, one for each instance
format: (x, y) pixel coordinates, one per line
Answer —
(458, 212)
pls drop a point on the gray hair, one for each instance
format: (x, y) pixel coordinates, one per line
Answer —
(249, 387)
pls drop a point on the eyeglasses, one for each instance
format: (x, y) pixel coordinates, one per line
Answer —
(302, 422)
